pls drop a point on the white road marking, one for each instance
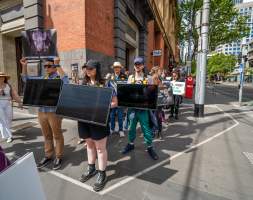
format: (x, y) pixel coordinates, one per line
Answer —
(249, 156)
(71, 180)
(120, 183)
(126, 180)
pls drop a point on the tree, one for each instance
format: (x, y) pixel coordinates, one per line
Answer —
(225, 25)
(221, 63)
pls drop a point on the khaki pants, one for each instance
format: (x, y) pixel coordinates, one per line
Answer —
(51, 129)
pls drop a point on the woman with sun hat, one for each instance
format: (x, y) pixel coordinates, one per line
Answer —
(7, 94)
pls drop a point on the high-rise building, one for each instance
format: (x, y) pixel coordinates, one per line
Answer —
(234, 48)
(237, 1)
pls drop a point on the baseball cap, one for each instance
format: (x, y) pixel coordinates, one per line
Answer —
(92, 64)
(138, 60)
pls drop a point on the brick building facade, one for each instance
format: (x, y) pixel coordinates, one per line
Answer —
(106, 30)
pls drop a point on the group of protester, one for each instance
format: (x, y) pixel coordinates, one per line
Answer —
(95, 136)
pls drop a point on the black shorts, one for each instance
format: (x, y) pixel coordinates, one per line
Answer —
(93, 131)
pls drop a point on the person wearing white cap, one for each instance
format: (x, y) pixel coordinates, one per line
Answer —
(116, 77)
(7, 94)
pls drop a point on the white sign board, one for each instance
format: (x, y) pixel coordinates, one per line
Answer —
(21, 181)
(157, 52)
(178, 88)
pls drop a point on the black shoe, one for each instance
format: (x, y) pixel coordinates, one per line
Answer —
(152, 153)
(100, 182)
(91, 171)
(57, 163)
(176, 117)
(44, 162)
(171, 116)
(128, 148)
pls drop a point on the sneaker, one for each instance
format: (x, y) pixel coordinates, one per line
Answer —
(176, 117)
(91, 171)
(100, 182)
(9, 140)
(171, 116)
(121, 134)
(80, 141)
(112, 131)
(44, 162)
(152, 153)
(57, 163)
(128, 148)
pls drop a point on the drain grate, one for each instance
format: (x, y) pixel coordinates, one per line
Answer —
(249, 156)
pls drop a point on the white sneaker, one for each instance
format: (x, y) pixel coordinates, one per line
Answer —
(112, 131)
(9, 140)
(121, 134)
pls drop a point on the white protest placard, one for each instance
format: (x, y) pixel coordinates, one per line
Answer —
(178, 88)
(21, 181)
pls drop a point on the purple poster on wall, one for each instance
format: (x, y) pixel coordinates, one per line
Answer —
(39, 43)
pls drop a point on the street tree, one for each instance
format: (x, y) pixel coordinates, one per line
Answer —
(221, 64)
(225, 26)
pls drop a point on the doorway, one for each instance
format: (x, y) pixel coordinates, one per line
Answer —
(132, 44)
(130, 55)
(18, 43)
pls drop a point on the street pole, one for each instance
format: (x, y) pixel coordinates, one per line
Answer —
(241, 80)
(189, 56)
(242, 68)
(241, 87)
(201, 68)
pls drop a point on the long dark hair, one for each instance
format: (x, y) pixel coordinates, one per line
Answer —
(98, 77)
(6, 80)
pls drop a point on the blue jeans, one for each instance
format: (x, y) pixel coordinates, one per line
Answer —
(119, 112)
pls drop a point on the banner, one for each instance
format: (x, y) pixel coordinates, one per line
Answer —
(39, 43)
(178, 88)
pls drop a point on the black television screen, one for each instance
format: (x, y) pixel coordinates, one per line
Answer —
(137, 96)
(42, 92)
(85, 103)
(39, 43)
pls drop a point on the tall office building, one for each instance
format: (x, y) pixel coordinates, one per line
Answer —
(234, 48)
(237, 1)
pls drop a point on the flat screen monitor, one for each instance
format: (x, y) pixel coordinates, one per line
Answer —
(137, 96)
(39, 43)
(42, 92)
(85, 103)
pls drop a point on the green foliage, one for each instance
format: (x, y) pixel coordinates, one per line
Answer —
(221, 63)
(222, 15)
(194, 67)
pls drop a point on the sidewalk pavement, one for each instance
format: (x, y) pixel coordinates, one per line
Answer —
(132, 176)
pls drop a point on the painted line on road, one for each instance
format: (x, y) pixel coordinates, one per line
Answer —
(120, 183)
(249, 156)
(126, 180)
(71, 180)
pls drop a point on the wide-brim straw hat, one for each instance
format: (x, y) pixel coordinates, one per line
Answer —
(117, 64)
(2, 74)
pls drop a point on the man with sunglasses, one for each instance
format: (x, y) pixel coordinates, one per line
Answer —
(50, 123)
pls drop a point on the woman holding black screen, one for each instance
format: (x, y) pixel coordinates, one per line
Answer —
(95, 135)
